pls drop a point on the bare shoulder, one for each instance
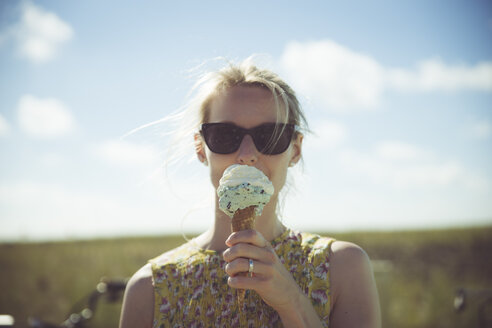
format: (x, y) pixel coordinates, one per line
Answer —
(355, 298)
(141, 281)
(347, 254)
(348, 262)
(138, 301)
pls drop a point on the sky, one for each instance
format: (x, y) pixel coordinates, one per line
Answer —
(398, 95)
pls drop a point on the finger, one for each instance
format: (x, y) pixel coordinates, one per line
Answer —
(245, 282)
(247, 236)
(249, 251)
(242, 265)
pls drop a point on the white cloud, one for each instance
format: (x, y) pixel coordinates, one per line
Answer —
(126, 153)
(53, 211)
(52, 160)
(341, 79)
(434, 75)
(481, 130)
(359, 208)
(4, 126)
(399, 151)
(39, 33)
(327, 134)
(332, 74)
(404, 166)
(44, 118)
(37, 210)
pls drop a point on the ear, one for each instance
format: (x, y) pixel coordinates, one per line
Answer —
(296, 149)
(199, 148)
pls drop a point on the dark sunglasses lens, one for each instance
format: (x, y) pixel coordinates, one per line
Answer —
(273, 139)
(222, 138)
(269, 139)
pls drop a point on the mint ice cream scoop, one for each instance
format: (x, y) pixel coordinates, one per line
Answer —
(242, 186)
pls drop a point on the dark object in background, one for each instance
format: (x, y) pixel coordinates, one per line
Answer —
(483, 296)
(110, 290)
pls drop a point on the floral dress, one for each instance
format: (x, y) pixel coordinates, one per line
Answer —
(190, 285)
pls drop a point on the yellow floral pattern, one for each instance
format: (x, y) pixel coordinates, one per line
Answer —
(190, 285)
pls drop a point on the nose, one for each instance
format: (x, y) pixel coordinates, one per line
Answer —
(247, 152)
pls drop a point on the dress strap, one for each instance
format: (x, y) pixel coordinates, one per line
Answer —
(330, 243)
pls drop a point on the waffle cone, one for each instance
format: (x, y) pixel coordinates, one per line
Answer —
(243, 219)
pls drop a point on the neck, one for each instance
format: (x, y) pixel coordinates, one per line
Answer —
(267, 224)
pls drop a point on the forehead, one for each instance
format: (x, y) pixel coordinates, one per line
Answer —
(246, 106)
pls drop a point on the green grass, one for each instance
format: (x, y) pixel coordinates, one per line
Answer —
(417, 273)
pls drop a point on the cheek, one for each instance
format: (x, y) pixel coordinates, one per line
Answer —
(215, 176)
(277, 173)
(218, 164)
(281, 167)
(278, 179)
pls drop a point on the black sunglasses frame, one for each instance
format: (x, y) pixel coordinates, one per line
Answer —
(276, 140)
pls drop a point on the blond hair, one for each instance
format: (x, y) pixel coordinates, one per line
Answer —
(187, 120)
(247, 73)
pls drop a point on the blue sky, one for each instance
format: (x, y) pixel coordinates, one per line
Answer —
(398, 95)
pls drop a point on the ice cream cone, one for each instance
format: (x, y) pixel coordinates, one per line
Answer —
(243, 219)
(243, 192)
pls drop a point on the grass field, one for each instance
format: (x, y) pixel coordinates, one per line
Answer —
(417, 272)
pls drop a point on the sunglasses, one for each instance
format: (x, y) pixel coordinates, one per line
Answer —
(269, 138)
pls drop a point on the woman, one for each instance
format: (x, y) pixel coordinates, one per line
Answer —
(297, 279)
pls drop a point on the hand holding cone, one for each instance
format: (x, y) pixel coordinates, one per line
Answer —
(243, 219)
(243, 191)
